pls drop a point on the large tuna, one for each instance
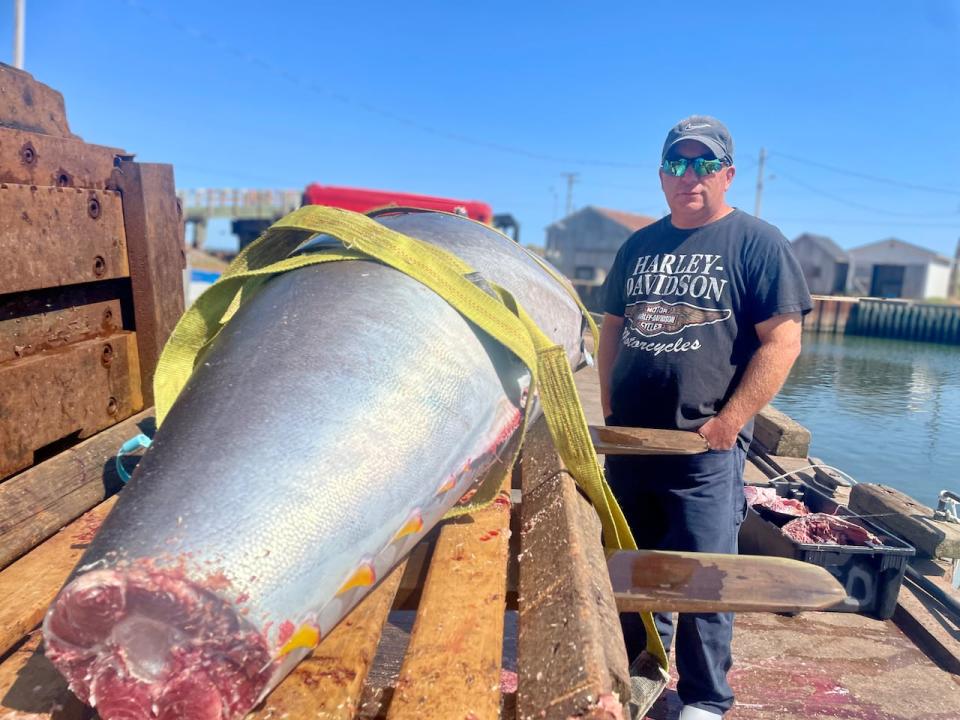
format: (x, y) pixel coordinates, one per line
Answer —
(338, 416)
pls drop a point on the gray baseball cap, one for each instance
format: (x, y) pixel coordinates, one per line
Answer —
(705, 129)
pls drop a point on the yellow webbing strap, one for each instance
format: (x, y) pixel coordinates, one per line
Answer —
(444, 273)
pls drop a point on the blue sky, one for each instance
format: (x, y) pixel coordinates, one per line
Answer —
(494, 101)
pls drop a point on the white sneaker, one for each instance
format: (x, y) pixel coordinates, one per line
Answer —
(690, 712)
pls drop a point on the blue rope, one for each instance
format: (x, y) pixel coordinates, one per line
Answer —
(131, 445)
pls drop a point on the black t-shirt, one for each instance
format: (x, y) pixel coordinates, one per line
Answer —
(690, 299)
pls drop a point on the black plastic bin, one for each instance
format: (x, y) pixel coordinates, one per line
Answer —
(871, 575)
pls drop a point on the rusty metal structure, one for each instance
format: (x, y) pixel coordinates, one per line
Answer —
(91, 256)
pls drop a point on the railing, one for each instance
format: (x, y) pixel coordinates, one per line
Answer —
(205, 203)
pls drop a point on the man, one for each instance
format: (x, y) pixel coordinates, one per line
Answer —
(701, 327)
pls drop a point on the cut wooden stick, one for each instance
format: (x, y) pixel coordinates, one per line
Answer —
(613, 440)
(709, 582)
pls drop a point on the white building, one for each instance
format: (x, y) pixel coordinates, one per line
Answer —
(896, 269)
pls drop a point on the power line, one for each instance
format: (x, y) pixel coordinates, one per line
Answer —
(872, 223)
(854, 204)
(343, 99)
(863, 176)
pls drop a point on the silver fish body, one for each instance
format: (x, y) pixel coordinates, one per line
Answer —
(336, 418)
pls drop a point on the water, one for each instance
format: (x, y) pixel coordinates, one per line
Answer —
(884, 411)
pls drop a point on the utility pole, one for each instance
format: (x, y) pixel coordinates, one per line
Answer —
(763, 159)
(19, 27)
(571, 179)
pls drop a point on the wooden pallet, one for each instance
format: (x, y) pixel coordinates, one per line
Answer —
(537, 564)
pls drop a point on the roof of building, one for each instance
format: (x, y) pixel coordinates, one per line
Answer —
(825, 244)
(903, 245)
(632, 221)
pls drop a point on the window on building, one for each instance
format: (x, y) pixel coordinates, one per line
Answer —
(585, 272)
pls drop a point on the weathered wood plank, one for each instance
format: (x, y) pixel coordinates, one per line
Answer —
(781, 435)
(32, 334)
(905, 517)
(923, 619)
(30, 105)
(38, 502)
(30, 584)
(571, 657)
(661, 581)
(73, 391)
(29, 158)
(54, 236)
(452, 666)
(329, 683)
(32, 689)
(154, 231)
(613, 440)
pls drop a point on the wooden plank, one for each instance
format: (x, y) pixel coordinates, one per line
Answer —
(614, 440)
(571, 657)
(752, 475)
(73, 391)
(38, 502)
(452, 665)
(26, 104)
(903, 516)
(29, 158)
(29, 585)
(31, 334)
(329, 683)
(154, 231)
(925, 621)
(31, 688)
(662, 581)
(59, 236)
(780, 435)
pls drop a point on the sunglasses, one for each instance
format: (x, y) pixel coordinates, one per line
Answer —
(701, 166)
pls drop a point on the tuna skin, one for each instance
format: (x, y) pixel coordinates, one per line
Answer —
(331, 424)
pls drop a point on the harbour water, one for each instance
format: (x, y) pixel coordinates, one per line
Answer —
(884, 411)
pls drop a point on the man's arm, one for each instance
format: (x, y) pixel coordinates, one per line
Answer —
(610, 332)
(763, 378)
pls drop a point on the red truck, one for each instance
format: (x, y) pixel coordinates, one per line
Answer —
(362, 200)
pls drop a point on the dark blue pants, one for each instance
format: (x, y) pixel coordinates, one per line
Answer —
(685, 502)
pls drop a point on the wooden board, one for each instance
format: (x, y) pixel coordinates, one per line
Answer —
(571, 657)
(31, 688)
(73, 391)
(329, 683)
(26, 104)
(50, 237)
(35, 579)
(154, 231)
(38, 502)
(32, 334)
(29, 158)
(780, 435)
(903, 516)
(452, 665)
(613, 440)
(924, 620)
(708, 582)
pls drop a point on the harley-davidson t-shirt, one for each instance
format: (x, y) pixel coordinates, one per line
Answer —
(690, 299)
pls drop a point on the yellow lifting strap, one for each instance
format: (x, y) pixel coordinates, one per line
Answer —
(443, 272)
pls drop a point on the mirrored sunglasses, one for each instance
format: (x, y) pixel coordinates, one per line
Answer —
(701, 166)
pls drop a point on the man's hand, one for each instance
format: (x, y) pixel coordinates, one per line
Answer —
(719, 433)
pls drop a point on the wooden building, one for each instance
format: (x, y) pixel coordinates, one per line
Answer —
(583, 245)
(825, 265)
(893, 268)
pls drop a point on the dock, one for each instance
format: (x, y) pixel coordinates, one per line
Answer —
(832, 665)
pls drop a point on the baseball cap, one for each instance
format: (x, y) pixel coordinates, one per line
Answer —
(702, 128)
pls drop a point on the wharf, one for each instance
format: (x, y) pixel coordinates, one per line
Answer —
(825, 665)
